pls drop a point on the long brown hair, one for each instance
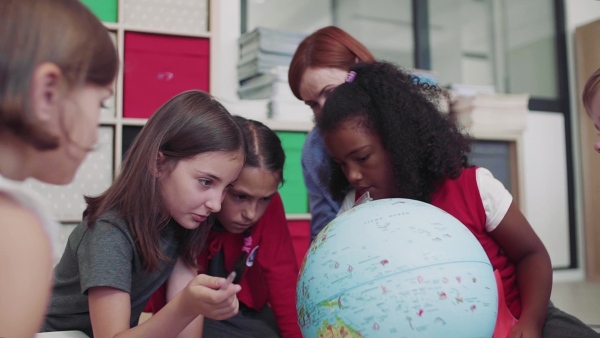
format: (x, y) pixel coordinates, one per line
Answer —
(191, 123)
(265, 152)
(328, 47)
(62, 32)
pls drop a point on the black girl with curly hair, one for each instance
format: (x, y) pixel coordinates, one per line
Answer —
(387, 135)
(417, 139)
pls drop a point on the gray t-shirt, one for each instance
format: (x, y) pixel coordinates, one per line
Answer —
(104, 255)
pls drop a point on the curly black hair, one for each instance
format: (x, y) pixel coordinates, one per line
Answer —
(426, 146)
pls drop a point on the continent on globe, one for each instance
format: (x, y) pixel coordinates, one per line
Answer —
(337, 330)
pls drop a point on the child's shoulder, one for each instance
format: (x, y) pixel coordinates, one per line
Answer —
(108, 223)
(19, 224)
(14, 213)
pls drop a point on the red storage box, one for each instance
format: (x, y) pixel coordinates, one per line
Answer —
(300, 232)
(157, 67)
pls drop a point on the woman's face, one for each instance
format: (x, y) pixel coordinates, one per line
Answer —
(247, 200)
(195, 187)
(362, 158)
(317, 84)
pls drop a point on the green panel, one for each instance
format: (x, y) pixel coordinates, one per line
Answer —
(105, 10)
(293, 193)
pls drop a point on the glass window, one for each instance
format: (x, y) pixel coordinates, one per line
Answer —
(508, 44)
(461, 37)
(530, 48)
(303, 16)
(385, 27)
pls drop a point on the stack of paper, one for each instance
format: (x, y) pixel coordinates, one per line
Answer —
(492, 112)
(250, 109)
(265, 48)
(283, 105)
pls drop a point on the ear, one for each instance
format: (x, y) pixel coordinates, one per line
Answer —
(45, 91)
(356, 59)
(160, 159)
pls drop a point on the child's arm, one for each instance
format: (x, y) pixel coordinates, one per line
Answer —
(110, 309)
(534, 270)
(278, 260)
(181, 276)
(26, 270)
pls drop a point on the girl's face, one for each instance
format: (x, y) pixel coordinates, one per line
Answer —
(317, 84)
(362, 158)
(247, 200)
(76, 126)
(196, 186)
(594, 113)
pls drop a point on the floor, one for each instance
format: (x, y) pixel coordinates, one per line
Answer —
(581, 299)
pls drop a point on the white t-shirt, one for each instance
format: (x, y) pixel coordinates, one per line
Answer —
(32, 201)
(495, 197)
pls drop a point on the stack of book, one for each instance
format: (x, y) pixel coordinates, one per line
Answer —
(250, 109)
(283, 105)
(272, 88)
(492, 112)
(264, 48)
(260, 86)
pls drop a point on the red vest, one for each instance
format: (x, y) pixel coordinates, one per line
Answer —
(461, 199)
(273, 273)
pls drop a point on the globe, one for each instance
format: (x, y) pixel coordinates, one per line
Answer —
(396, 268)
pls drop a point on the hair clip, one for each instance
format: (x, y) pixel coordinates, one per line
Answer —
(350, 77)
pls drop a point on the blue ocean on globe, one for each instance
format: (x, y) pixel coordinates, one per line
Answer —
(396, 268)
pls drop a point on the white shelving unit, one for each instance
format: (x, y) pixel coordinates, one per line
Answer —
(118, 121)
(100, 168)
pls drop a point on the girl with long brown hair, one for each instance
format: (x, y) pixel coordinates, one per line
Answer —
(150, 225)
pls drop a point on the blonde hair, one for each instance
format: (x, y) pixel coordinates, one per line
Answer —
(591, 88)
(62, 32)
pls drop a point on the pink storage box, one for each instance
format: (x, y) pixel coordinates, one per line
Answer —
(157, 67)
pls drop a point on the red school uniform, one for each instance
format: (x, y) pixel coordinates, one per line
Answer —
(461, 198)
(271, 269)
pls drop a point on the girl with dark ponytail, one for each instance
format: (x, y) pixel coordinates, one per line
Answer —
(250, 237)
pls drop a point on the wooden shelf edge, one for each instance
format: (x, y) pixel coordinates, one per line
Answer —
(297, 217)
(300, 126)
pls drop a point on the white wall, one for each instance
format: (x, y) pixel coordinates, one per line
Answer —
(545, 180)
(227, 51)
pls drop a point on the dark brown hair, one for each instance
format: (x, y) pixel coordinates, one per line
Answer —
(189, 124)
(328, 47)
(265, 152)
(264, 146)
(62, 32)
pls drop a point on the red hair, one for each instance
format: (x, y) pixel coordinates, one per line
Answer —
(328, 47)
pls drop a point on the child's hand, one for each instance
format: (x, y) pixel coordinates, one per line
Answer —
(525, 329)
(213, 297)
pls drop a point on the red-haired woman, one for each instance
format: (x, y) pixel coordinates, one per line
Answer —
(320, 64)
